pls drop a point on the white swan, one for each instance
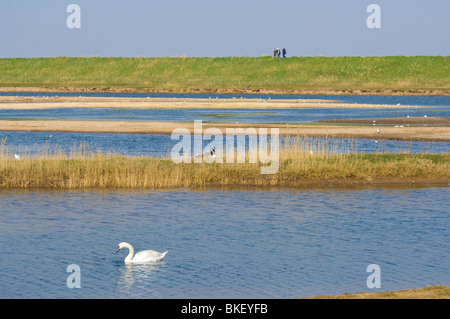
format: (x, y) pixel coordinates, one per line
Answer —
(142, 256)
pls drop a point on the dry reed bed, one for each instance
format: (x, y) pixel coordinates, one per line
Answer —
(300, 164)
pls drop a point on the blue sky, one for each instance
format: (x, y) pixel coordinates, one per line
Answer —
(156, 28)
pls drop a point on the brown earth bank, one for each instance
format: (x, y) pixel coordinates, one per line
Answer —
(412, 92)
(414, 133)
(438, 121)
(430, 292)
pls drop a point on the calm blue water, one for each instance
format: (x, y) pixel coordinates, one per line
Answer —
(439, 106)
(160, 145)
(219, 116)
(255, 243)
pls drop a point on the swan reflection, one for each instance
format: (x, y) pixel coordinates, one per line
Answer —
(141, 276)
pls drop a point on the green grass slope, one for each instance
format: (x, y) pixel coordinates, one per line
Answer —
(231, 73)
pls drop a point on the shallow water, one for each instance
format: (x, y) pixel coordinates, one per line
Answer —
(278, 243)
(438, 106)
(160, 145)
(218, 116)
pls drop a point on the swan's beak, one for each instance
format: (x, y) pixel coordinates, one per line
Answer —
(118, 248)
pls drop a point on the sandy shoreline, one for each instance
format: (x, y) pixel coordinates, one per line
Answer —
(429, 292)
(393, 133)
(47, 102)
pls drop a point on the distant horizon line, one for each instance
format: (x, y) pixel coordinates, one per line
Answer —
(221, 57)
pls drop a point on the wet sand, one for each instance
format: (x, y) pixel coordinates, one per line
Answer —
(24, 102)
(415, 133)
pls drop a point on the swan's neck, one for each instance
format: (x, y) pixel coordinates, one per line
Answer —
(130, 254)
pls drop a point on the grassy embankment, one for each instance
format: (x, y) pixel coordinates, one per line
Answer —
(83, 168)
(349, 75)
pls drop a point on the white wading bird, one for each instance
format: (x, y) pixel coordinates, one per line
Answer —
(142, 256)
(17, 157)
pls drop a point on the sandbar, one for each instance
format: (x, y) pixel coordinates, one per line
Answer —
(47, 102)
(413, 133)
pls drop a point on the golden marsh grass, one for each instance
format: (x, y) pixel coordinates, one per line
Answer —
(302, 162)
